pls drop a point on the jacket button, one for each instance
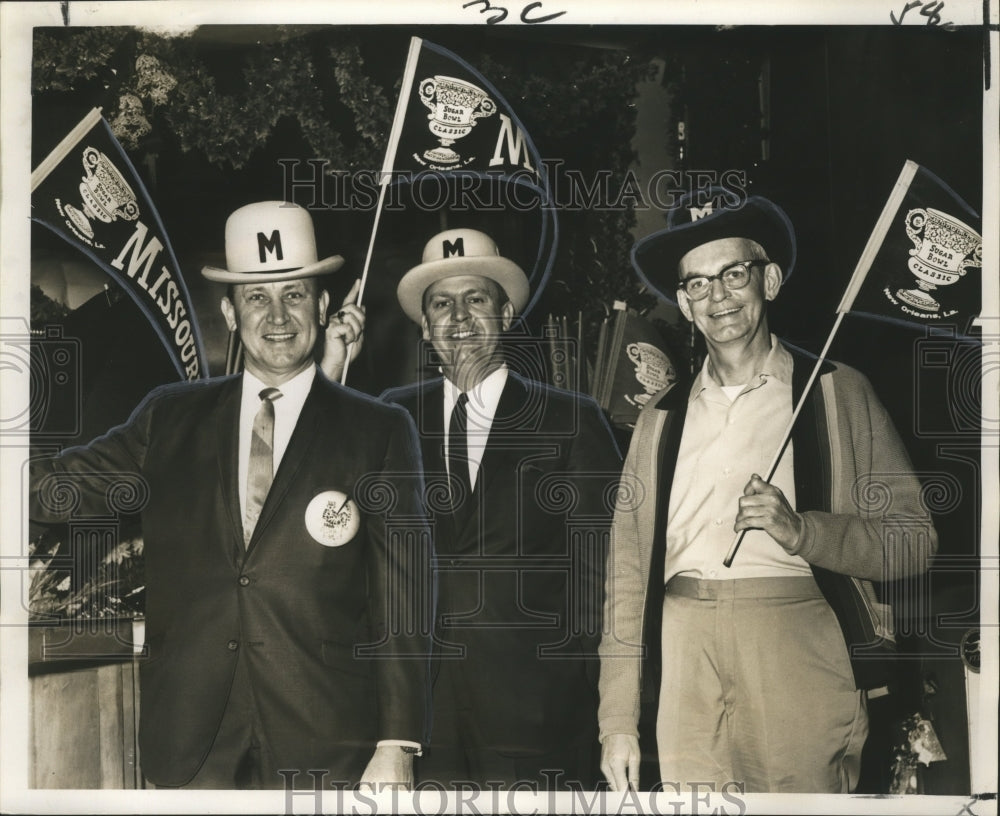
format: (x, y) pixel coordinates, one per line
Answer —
(233, 645)
(244, 581)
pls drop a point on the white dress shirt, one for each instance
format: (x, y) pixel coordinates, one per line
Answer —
(481, 409)
(729, 434)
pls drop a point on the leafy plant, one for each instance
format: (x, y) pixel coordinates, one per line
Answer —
(115, 590)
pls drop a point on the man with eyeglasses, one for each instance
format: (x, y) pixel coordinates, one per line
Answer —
(750, 665)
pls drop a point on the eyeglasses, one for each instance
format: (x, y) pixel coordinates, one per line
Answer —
(734, 276)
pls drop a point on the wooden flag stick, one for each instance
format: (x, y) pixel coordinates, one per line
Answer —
(50, 162)
(728, 560)
(390, 159)
(875, 240)
(864, 264)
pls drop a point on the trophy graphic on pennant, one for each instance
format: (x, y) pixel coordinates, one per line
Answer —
(105, 192)
(454, 106)
(944, 248)
(653, 371)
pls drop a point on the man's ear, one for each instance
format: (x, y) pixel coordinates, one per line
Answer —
(229, 313)
(684, 303)
(507, 314)
(425, 327)
(323, 302)
(772, 281)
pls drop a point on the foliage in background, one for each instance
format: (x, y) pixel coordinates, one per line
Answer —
(158, 88)
(582, 102)
(226, 103)
(70, 59)
(116, 590)
(228, 97)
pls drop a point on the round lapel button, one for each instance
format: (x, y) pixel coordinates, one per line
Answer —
(332, 518)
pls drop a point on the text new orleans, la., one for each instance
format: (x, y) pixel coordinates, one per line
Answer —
(163, 291)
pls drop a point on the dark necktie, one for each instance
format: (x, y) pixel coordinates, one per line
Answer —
(260, 472)
(458, 452)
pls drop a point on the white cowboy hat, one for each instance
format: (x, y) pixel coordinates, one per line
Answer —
(461, 252)
(270, 241)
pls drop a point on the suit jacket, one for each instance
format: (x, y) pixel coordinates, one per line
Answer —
(856, 491)
(521, 565)
(332, 668)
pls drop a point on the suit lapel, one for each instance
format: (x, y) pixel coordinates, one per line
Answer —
(227, 435)
(501, 454)
(430, 419)
(511, 420)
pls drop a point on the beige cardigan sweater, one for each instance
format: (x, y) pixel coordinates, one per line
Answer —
(869, 521)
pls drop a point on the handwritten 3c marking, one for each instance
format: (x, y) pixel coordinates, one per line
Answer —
(527, 12)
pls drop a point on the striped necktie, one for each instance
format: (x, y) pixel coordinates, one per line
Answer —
(260, 472)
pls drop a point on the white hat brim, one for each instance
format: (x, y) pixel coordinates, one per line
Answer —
(323, 267)
(414, 283)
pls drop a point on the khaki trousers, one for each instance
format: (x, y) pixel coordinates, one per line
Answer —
(757, 688)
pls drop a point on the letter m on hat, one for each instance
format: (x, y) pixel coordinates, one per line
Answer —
(267, 245)
(697, 213)
(449, 248)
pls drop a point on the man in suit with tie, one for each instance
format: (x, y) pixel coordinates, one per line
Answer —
(521, 478)
(287, 558)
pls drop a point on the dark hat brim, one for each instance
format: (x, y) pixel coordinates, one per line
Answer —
(657, 256)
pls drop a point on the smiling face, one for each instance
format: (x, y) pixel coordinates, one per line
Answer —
(729, 317)
(278, 323)
(464, 317)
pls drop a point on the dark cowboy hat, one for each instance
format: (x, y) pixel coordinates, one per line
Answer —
(709, 215)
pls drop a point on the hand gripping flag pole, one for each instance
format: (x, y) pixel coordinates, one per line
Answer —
(480, 140)
(939, 235)
(390, 160)
(728, 560)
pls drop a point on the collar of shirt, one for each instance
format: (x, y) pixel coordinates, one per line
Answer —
(286, 415)
(722, 443)
(484, 397)
(777, 364)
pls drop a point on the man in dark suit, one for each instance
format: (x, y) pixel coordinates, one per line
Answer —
(522, 476)
(287, 562)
